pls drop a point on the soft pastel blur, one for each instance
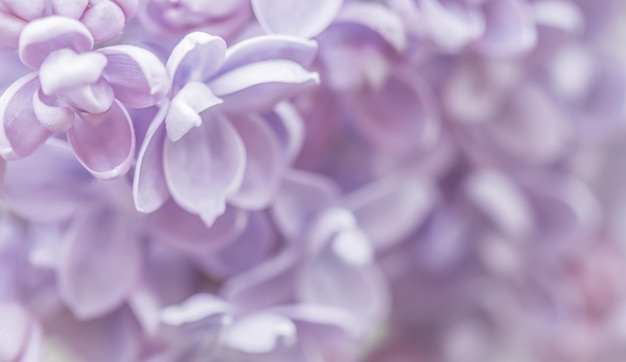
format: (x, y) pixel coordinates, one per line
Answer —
(312, 181)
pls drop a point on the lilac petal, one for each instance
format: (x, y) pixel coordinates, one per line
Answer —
(249, 249)
(510, 28)
(21, 132)
(265, 164)
(95, 283)
(189, 233)
(15, 319)
(319, 315)
(10, 30)
(149, 187)
(27, 10)
(452, 25)
(377, 18)
(44, 36)
(105, 20)
(533, 128)
(185, 108)
(205, 167)
(388, 210)
(69, 8)
(296, 17)
(502, 201)
(269, 284)
(301, 198)
(90, 101)
(288, 126)
(358, 290)
(105, 149)
(137, 76)
(64, 70)
(259, 333)
(195, 58)
(399, 117)
(53, 116)
(129, 7)
(60, 189)
(195, 309)
(261, 85)
(269, 47)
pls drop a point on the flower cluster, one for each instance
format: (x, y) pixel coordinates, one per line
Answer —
(312, 181)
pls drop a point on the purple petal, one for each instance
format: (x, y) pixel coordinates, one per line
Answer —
(188, 233)
(184, 110)
(452, 25)
(27, 10)
(205, 167)
(60, 188)
(149, 186)
(104, 19)
(288, 126)
(357, 290)
(269, 284)
(534, 129)
(21, 132)
(502, 201)
(261, 85)
(377, 18)
(399, 117)
(269, 47)
(44, 36)
(265, 164)
(64, 70)
(70, 8)
(195, 58)
(301, 198)
(259, 333)
(90, 101)
(100, 262)
(137, 76)
(249, 249)
(510, 28)
(296, 17)
(10, 30)
(390, 209)
(195, 309)
(105, 149)
(51, 114)
(14, 346)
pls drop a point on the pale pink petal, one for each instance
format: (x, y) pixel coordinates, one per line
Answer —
(205, 167)
(70, 8)
(296, 17)
(100, 262)
(195, 58)
(510, 28)
(185, 108)
(261, 85)
(107, 148)
(44, 36)
(105, 20)
(149, 187)
(21, 132)
(265, 163)
(301, 198)
(387, 211)
(137, 76)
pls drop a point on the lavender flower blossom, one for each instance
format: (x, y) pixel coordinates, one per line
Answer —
(213, 93)
(84, 102)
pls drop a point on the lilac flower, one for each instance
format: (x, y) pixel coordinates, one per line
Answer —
(104, 19)
(82, 99)
(222, 18)
(213, 94)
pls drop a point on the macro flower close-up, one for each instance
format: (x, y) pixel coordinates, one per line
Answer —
(312, 181)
